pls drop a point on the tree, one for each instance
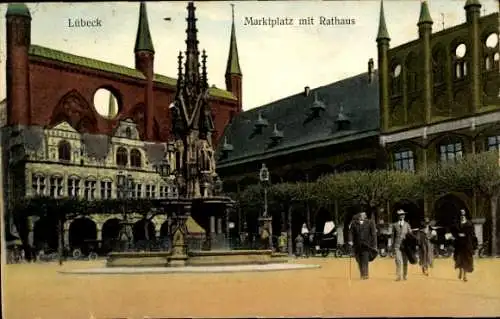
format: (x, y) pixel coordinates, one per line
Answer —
(479, 172)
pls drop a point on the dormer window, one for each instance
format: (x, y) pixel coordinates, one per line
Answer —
(128, 132)
(64, 151)
(260, 123)
(343, 122)
(276, 135)
(226, 148)
(317, 107)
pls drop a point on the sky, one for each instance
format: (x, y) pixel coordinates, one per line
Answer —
(276, 61)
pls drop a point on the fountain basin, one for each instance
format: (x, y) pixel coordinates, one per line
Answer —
(196, 258)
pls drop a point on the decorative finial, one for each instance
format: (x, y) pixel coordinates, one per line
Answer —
(232, 9)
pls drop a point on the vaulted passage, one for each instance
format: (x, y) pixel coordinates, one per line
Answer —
(81, 232)
(447, 210)
(45, 233)
(144, 230)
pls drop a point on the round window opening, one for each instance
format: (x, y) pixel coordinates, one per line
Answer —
(460, 50)
(496, 57)
(397, 70)
(492, 40)
(106, 103)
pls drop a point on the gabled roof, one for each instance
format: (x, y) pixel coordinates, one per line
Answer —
(60, 56)
(357, 97)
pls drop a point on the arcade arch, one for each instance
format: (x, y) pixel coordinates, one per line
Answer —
(144, 230)
(81, 230)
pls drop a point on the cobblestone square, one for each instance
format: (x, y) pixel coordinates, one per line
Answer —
(39, 291)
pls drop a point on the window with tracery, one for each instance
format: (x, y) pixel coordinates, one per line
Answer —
(403, 160)
(121, 156)
(73, 187)
(56, 186)
(64, 151)
(90, 189)
(411, 73)
(460, 61)
(491, 55)
(106, 189)
(38, 184)
(135, 158)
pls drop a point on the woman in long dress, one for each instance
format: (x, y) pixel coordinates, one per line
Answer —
(464, 246)
(426, 254)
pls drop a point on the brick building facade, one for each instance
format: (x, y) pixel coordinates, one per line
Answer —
(56, 143)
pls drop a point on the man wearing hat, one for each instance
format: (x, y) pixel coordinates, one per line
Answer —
(363, 238)
(400, 230)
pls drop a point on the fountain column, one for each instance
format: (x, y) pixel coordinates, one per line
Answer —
(179, 256)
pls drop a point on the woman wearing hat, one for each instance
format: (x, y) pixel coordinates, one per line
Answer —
(464, 236)
(424, 236)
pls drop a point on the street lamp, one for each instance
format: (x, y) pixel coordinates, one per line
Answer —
(264, 179)
(266, 221)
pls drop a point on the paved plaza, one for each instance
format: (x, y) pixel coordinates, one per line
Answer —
(41, 291)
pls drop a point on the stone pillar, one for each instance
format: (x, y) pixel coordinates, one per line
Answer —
(219, 226)
(478, 229)
(66, 234)
(99, 232)
(212, 224)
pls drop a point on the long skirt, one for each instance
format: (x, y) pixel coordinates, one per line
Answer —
(426, 254)
(464, 259)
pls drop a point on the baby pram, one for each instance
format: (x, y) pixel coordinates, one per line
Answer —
(328, 241)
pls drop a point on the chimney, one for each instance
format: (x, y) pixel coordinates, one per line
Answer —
(370, 70)
(306, 91)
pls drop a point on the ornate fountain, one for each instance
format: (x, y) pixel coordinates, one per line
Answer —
(198, 185)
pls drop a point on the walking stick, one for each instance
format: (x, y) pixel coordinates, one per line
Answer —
(350, 267)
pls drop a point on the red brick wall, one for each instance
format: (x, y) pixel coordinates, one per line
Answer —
(50, 81)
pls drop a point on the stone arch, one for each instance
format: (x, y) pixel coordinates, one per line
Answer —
(446, 210)
(82, 230)
(111, 229)
(45, 233)
(76, 111)
(414, 214)
(139, 230)
(438, 63)
(411, 65)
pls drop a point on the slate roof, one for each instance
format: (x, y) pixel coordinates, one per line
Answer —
(56, 55)
(357, 97)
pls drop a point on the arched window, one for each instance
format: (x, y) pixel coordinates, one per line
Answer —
(121, 156)
(404, 160)
(411, 72)
(450, 150)
(438, 63)
(135, 158)
(460, 61)
(396, 79)
(64, 151)
(128, 132)
(491, 55)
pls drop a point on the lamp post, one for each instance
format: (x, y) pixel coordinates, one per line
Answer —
(266, 220)
(125, 189)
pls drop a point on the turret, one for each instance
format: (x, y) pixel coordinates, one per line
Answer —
(473, 12)
(144, 62)
(424, 32)
(233, 70)
(383, 66)
(18, 85)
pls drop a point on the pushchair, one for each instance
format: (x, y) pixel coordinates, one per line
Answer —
(328, 242)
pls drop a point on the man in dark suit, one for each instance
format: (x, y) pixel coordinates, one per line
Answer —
(363, 238)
